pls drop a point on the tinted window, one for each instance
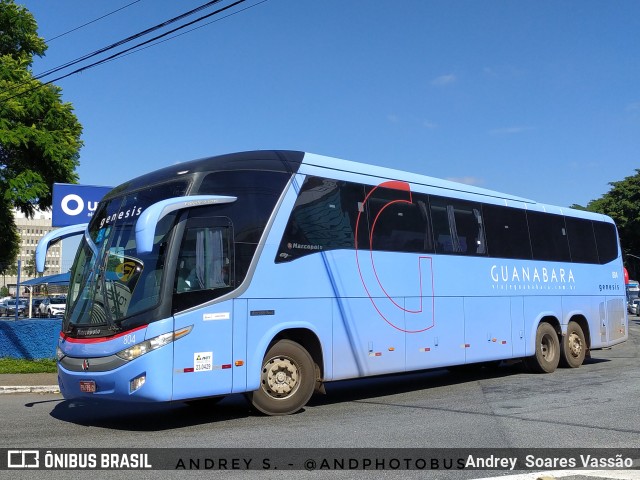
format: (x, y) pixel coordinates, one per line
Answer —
(606, 240)
(331, 214)
(257, 193)
(548, 237)
(582, 241)
(507, 232)
(323, 218)
(398, 221)
(457, 226)
(205, 268)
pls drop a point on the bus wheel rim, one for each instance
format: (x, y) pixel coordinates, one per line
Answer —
(575, 345)
(546, 348)
(280, 377)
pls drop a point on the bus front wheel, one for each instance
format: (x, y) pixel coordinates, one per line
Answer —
(574, 346)
(547, 356)
(287, 379)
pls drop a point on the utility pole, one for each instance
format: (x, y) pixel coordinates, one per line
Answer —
(18, 288)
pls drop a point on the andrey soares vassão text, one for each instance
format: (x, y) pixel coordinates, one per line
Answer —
(182, 460)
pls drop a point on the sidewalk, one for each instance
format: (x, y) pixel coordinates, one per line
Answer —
(29, 383)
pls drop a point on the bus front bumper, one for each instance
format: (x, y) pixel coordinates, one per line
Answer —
(145, 379)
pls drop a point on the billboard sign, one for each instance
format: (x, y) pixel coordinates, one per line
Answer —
(74, 204)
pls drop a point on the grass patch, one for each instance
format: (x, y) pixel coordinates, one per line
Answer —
(17, 365)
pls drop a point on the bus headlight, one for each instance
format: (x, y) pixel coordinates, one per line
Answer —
(154, 343)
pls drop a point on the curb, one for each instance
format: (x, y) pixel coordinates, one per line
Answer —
(31, 389)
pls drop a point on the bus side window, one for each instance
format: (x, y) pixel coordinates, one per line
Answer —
(507, 232)
(458, 226)
(323, 218)
(582, 240)
(607, 241)
(549, 240)
(204, 261)
(400, 226)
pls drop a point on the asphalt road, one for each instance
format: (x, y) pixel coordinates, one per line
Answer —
(596, 405)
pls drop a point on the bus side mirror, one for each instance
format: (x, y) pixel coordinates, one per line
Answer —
(52, 237)
(149, 218)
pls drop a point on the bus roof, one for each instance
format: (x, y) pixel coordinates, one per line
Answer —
(290, 161)
(385, 173)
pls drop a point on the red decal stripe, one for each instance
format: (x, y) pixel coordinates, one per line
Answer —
(98, 340)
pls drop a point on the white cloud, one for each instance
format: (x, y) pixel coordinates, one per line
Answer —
(444, 80)
(393, 118)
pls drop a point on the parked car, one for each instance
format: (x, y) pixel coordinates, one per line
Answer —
(21, 305)
(35, 306)
(634, 306)
(4, 305)
(53, 307)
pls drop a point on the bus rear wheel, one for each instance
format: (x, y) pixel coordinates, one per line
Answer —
(574, 346)
(547, 356)
(287, 379)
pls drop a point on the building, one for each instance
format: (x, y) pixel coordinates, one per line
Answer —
(31, 230)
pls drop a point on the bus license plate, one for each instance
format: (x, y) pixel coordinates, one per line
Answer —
(87, 386)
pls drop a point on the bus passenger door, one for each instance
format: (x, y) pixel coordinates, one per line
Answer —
(204, 271)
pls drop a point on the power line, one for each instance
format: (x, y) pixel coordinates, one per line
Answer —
(109, 47)
(130, 49)
(126, 54)
(89, 23)
(126, 40)
(146, 42)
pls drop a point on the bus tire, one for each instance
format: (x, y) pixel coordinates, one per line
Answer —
(547, 356)
(287, 379)
(574, 346)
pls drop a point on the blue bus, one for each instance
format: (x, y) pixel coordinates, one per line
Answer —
(273, 272)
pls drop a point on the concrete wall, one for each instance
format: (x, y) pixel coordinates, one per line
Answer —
(29, 339)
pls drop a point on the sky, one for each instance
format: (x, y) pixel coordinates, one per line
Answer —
(539, 99)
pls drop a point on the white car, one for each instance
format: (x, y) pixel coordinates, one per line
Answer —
(634, 306)
(53, 307)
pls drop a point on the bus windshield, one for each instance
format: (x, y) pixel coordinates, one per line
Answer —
(109, 280)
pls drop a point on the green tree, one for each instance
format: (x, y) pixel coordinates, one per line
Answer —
(622, 203)
(9, 238)
(39, 133)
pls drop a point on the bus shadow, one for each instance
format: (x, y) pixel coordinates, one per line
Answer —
(169, 416)
(369, 388)
(394, 384)
(149, 417)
